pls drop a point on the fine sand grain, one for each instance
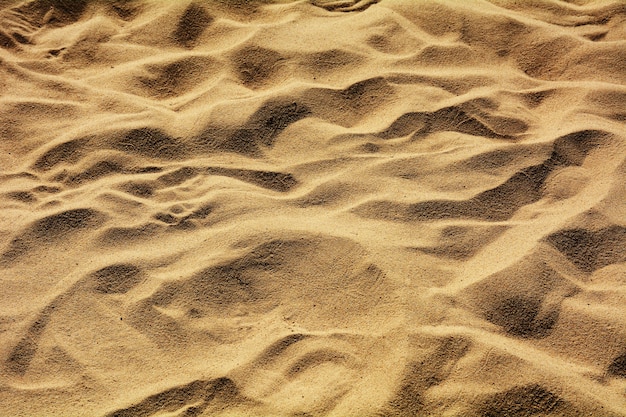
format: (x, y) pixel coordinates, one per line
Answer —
(312, 208)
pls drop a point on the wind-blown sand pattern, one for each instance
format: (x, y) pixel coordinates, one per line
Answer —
(343, 208)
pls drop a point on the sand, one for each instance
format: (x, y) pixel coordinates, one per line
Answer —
(312, 208)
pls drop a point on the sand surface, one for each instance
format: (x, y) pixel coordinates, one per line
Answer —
(343, 208)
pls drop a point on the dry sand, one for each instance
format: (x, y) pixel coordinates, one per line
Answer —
(347, 208)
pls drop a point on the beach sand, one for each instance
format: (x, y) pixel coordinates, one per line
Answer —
(312, 208)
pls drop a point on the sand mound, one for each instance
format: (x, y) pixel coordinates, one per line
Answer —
(346, 208)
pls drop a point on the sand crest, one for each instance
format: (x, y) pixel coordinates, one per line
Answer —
(312, 208)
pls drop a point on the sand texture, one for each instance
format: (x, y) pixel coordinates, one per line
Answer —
(312, 208)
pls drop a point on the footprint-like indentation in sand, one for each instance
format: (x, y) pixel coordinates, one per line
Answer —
(524, 299)
(591, 250)
(67, 152)
(260, 130)
(421, 376)
(345, 6)
(116, 279)
(499, 203)
(170, 79)
(51, 229)
(194, 399)
(192, 23)
(257, 66)
(150, 142)
(618, 366)
(336, 292)
(525, 400)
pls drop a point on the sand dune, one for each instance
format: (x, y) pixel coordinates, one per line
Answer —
(343, 208)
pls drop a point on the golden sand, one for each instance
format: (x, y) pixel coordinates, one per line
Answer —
(312, 208)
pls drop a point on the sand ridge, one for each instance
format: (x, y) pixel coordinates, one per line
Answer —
(307, 208)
